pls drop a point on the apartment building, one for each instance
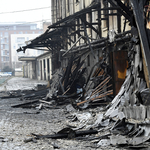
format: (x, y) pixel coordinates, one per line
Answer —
(18, 40)
(9, 32)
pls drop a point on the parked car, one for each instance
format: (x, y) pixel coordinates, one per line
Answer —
(5, 74)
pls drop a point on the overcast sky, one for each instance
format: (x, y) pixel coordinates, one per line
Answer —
(21, 5)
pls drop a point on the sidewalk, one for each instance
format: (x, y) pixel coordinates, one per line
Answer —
(20, 83)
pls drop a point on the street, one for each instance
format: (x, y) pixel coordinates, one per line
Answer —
(17, 124)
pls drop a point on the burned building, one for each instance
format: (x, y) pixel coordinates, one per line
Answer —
(95, 46)
(82, 29)
(100, 56)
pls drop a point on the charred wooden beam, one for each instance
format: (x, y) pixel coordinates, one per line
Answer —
(106, 12)
(111, 14)
(68, 71)
(103, 40)
(101, 44)
(90, 25)
(119, 10)
(68, 37)
(99, 22)
(76, 15)
(119, 22)
(78, 32)
(110, 8)
(71, 25)
(43, 49)
(25, 104)
(56, 46)
(125, 8)
(50, 49)
(87, 37)
(68, 134)
(68, 43)
(104, 18)
(72, 46)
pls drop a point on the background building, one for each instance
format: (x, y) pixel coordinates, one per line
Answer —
(18, 40)
(13, 35)
(36, 63)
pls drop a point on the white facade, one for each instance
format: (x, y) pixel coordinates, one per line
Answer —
(38, 67)
(44, 67)
(17, 41)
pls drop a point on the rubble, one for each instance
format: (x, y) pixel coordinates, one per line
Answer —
(123, 120)
(81, 88)
(128, 103)
(125, 105)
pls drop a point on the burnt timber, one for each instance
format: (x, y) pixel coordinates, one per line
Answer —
(119, 77)
(63, 34)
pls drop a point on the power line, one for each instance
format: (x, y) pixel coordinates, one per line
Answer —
(24, 10)
(33, 22)
(21, 24)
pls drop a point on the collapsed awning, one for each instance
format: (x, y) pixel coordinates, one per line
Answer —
(56, 37)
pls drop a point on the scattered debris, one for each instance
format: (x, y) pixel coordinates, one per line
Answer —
(80, 88)
(66, 133)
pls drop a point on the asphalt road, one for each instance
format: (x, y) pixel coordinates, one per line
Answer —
(17, 124)
(19, 83)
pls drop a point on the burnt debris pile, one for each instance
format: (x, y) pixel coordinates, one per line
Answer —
(122, 120)
(115, 102)
(80, 88)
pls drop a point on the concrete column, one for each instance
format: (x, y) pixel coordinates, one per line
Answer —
(28, 70)
(46, 66)
(31, 70)
(42, 69)
(50, 69)
(63, 9)
(71, 7)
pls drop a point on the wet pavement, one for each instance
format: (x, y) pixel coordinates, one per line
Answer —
(17, 124)
(3, 79)
(14, 124)
(19, 83)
